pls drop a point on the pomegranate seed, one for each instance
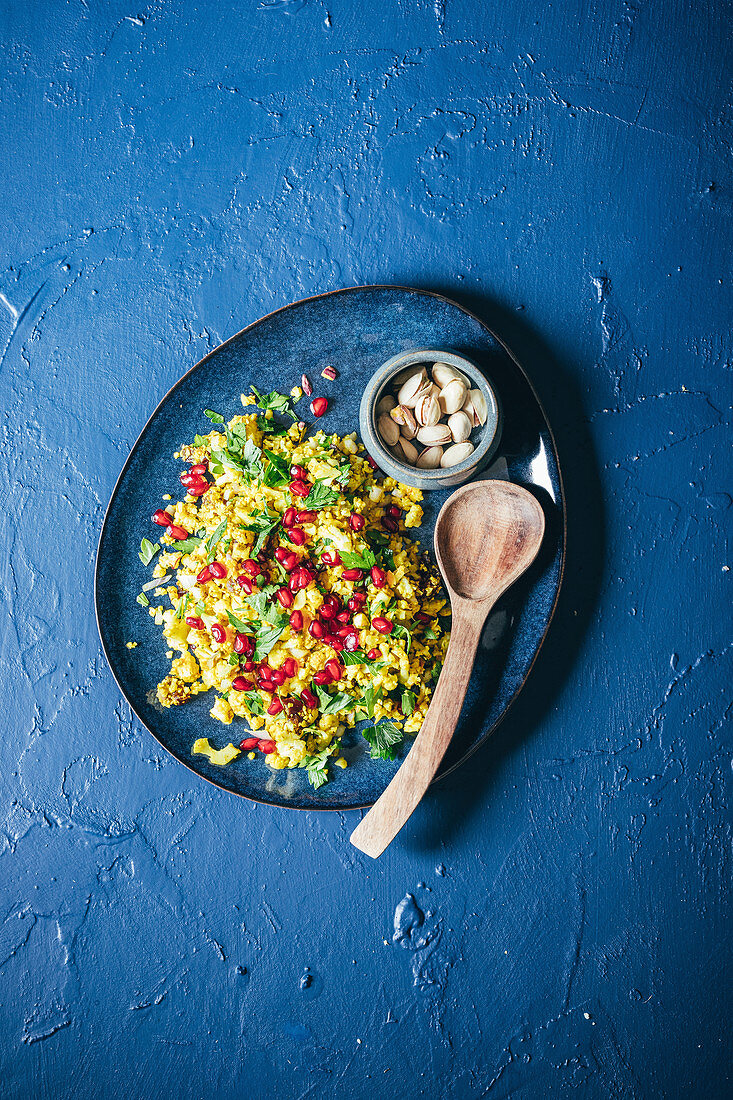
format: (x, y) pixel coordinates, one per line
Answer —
(384, 626)
(327, 611)
(319, 406)
(299, 488)
(278, 677)
(371, 462)
(268, 747)
(394, 511)
(161, 517)
(240, 684)
(218, 633)
(315, 629)
(352, 574)
(306, 517)
(204, 575)
(308, 698)
(303, 577)
(331, 557)
(245, 584)
(422, 617)
(264, 670)
(195, 622)
(249, 666)
(352, 641)
(285, 597)
(177, 533)
(298, 473)
(200, 468)
(297, 535)
(243, 644)
(323, 677)
(333, 601)
(295, 703)
(389, 524)
(289, 517)
(187, 479)
(252, 567)
(373, 654)
(296, 620)
(335, 668)
(357, 601)
(290, 561)
(249, 743)
(290, 667)
(344, 631)
(357, 521)
(336, 643)
(379, 577)
(217, 570)
(266, 685)
(280, 553)
(274, 708)
(343, 616)
(262, 557)
(198, 489)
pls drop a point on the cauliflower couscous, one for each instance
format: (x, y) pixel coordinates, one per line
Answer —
(294, 592)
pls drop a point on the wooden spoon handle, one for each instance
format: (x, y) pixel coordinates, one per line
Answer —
(391, 810)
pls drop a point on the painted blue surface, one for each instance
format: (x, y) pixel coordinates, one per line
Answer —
(553, 920)
(354, 328)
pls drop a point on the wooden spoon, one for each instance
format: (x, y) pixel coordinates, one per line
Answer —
(487, 534)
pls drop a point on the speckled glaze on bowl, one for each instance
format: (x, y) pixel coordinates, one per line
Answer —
(354, 330)
(485, 439)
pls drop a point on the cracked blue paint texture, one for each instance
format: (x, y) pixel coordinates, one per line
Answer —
(552, 921)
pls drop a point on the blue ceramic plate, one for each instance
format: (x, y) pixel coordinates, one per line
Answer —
(356, 330)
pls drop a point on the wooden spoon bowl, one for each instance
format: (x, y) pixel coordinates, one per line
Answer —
(487, 534)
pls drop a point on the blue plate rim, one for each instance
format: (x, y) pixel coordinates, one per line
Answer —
(260, 320)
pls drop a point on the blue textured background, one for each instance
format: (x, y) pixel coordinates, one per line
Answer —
(171, 172)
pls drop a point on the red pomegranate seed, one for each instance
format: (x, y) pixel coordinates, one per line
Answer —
(268, 747)
(195, 622)
(306, 517)
(285, 597)
(264, 670)
(218, 633)
(298, 473)
(352, 641)
(319, 406)
(278, 677)
(394, 511)
(187, 478)
(315, 629)
(331, 557)
(352, 574)
(198, 489)
(308, 698)
(217, 570)
(389, 524)
(322, 678)
(422, 617)
(252, 567)
(357, 601)
(379, 577)
(275, 707)
(344, 631)
(249, 743)
(245, 584)
(357, 521)
(371, 462)
(373, 654)
(240, 684)
(200, 468)
(296, 620)
(297, 535)
(290, 667)
(336, 643)
(243, 644)
(343, 616)
(327, 611)
(204, 575)
(335, 668)
(299, 488)
(280, 553)
(249, 666)
(161, 517)
(266, 685)
(289, 517)
(333, 601)
(303, 577)
(384, 626)
(177, 533)
(290, 561)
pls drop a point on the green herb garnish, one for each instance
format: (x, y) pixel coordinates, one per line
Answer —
(215, 418)
(320, 496)
(383, 739)
(254, 702)
(399, 631)
(278, 402)
(143, 600)
(266, 638)
(317, 765)
(148, 550)
(332, 704)
(277, 473)
(408, 702)
(213, 540)
(358, 561)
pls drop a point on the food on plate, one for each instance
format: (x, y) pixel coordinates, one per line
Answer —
(293, 592)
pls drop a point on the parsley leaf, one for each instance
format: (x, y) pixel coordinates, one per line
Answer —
(265, 608)
(213, 539)
(239, 624)
(369, 698)
(321, 496)
(430, 633)
(215, 418)
(143, 600)
(254, 702)
(332, 704)
(408, 702)
(383, 739)
(399, 631)
(262, 523)
(358, 561)
(317, 765)
(148, 550)
(278, 402)
(189, 544)
(277, 473)
(266, 638)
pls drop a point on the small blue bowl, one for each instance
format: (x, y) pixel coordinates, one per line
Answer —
(485, 438)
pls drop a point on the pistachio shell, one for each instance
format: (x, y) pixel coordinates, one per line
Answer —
(453, 395)
(406, 420)
(434, 435)
(468, 408)
(460, 427)
(407, 431)
(430, 458)
(427, 410)
(459, 452)
(398, 380)
(385, 404)
(480, 407)
(413, 389)
(405, 451)
(388, 430)
(443, 374)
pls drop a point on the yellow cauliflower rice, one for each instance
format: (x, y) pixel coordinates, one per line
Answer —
(294, 593)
